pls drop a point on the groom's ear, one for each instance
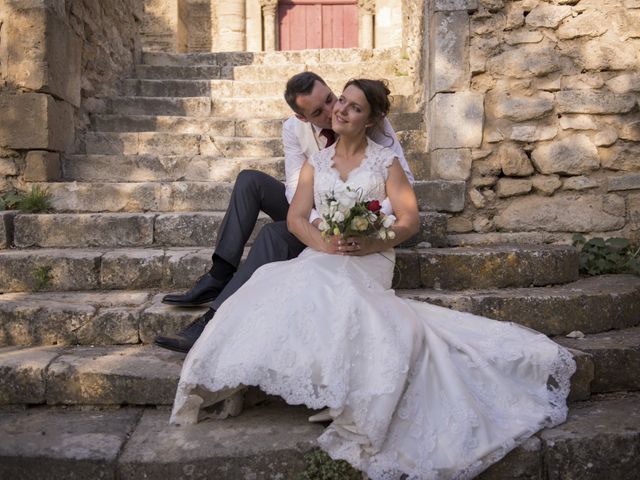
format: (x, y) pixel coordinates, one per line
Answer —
(302, 118)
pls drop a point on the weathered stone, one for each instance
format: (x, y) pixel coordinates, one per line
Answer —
(579, 183)
(42, 166)
(520, 108)
(600, 439)
(273, 439)
(624, 156)
(509, 266)
(533, 133)
(546, 184)
(591, 101)
(582, 81)
(487, 25)
(198, 229)
(49, 270)
(608, 52)
(573, 155)
(440, 195)
(59, 444)
(611, 350)
(606, 137)
(481, 223)
(583, 376)
(487, 181)
(514, 16)
(547, 16)
(35, 121)
(516, 38)
(83, 230)
(480, 154)
(6, 228)
(624, 182)
(451, 164)
(108, 197)
(508, 187)
(183, 267)
(522, 463)
(591, 23)
(112, 326)
(197, 196)
(630, 131)
(514, 161)
(633, 206)
(493, 135)
(129, 268)
(578, 122)
(22, 375)
(625, 83)
(457, 120)
(450, 55)
(160, 319)
(453, 5)
(8, 167)
(459, 225)
(114, 376)
(570, 213)
(477, 198)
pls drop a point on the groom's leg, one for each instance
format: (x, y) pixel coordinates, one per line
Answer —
(274, 244)
(253, 192)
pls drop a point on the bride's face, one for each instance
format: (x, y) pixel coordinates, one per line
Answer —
(351, 112)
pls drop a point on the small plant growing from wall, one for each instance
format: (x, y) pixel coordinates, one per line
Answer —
(613, 255)
(42, 277)
(35, 201)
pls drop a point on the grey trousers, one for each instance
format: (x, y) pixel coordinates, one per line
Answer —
(253, 192)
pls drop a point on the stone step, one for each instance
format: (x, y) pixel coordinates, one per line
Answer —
(341, 71)
(236, 88)
(589, 305)
(173, 144)
(310, 57)
(155, 168)
(271, 440)
(186, 196)
(198, 72)
(185, 106)
(225, 127)
(119, 375)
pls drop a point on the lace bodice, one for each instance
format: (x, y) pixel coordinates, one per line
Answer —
(370, 176)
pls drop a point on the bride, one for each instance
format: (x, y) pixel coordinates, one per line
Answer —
(411, 388)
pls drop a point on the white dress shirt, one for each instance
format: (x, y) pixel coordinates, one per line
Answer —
(302, 139)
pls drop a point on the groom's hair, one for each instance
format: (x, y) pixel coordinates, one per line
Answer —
(300, 84)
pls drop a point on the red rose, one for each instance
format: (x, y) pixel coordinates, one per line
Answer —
(373, 206)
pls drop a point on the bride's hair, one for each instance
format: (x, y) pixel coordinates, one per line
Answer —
(377, 94)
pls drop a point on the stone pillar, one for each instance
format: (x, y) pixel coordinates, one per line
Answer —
(269, 14)
(366, 9)
(231, 25)
(254, 26)
(160, 26)
(388, 24)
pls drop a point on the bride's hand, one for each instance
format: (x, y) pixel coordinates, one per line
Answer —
(358, 246)
(331, 244)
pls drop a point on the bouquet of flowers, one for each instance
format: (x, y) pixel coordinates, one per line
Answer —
(344, 212)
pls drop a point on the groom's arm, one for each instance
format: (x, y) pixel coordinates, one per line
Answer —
(294, 159)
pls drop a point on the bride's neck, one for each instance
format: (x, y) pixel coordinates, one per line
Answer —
(351, 146)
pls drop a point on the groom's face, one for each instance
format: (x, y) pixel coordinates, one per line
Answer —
(317, 106)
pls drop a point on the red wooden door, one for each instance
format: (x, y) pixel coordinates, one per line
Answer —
(308, 24)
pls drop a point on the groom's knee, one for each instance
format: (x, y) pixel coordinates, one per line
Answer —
(249, 181)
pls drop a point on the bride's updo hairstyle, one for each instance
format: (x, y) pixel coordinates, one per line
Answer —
(377, 94)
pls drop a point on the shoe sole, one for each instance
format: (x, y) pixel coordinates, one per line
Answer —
(188, 304)
(173, 349)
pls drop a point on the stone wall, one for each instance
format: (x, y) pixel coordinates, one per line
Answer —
(535, 104)
(58, 60)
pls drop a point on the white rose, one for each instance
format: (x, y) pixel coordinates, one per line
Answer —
(359, 223)
(382, 234)
(391, 234)
(323, 226)
(338, 216)
(388, 221)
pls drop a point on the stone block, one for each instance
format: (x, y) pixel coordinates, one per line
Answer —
(547, 16)
(578, 122)
(582, 81)
(518, 107)
(625, 83)
(114, 376)
(111, 326)
(451, 164)
(198, 196)
(600, 439)
(582, 378)
(570, 213)
(453, 5)
(514, 161)
(624, 182)
(457, 120)
(108, 197)
(590, 23)
(579, 183)
(622, 156)
(42, 166)
(509, 187)
(132, 268)
(35, 121)
(630, 131)
(8, 167)
(450, 52)
(187, 229)
(440, 195)
(608, 52)
(6, 228)
(516, 38)
(593, 102)
(478, 200)
(22, 376)
(83, 230)
(606, 137)
(160, 319)
(64, 444)
(531, 60)
(533, 133)
(522, 463)
(572, 155)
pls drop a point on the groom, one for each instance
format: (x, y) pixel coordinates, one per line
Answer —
(303, 134)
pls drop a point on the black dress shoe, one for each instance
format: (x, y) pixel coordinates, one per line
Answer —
(184, 339)
(204, 291)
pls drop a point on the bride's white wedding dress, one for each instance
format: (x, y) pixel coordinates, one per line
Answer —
(413, 388)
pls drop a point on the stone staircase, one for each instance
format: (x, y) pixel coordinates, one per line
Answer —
(83, 394)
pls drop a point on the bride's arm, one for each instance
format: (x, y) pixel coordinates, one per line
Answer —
(405, 208)
(298, 216)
